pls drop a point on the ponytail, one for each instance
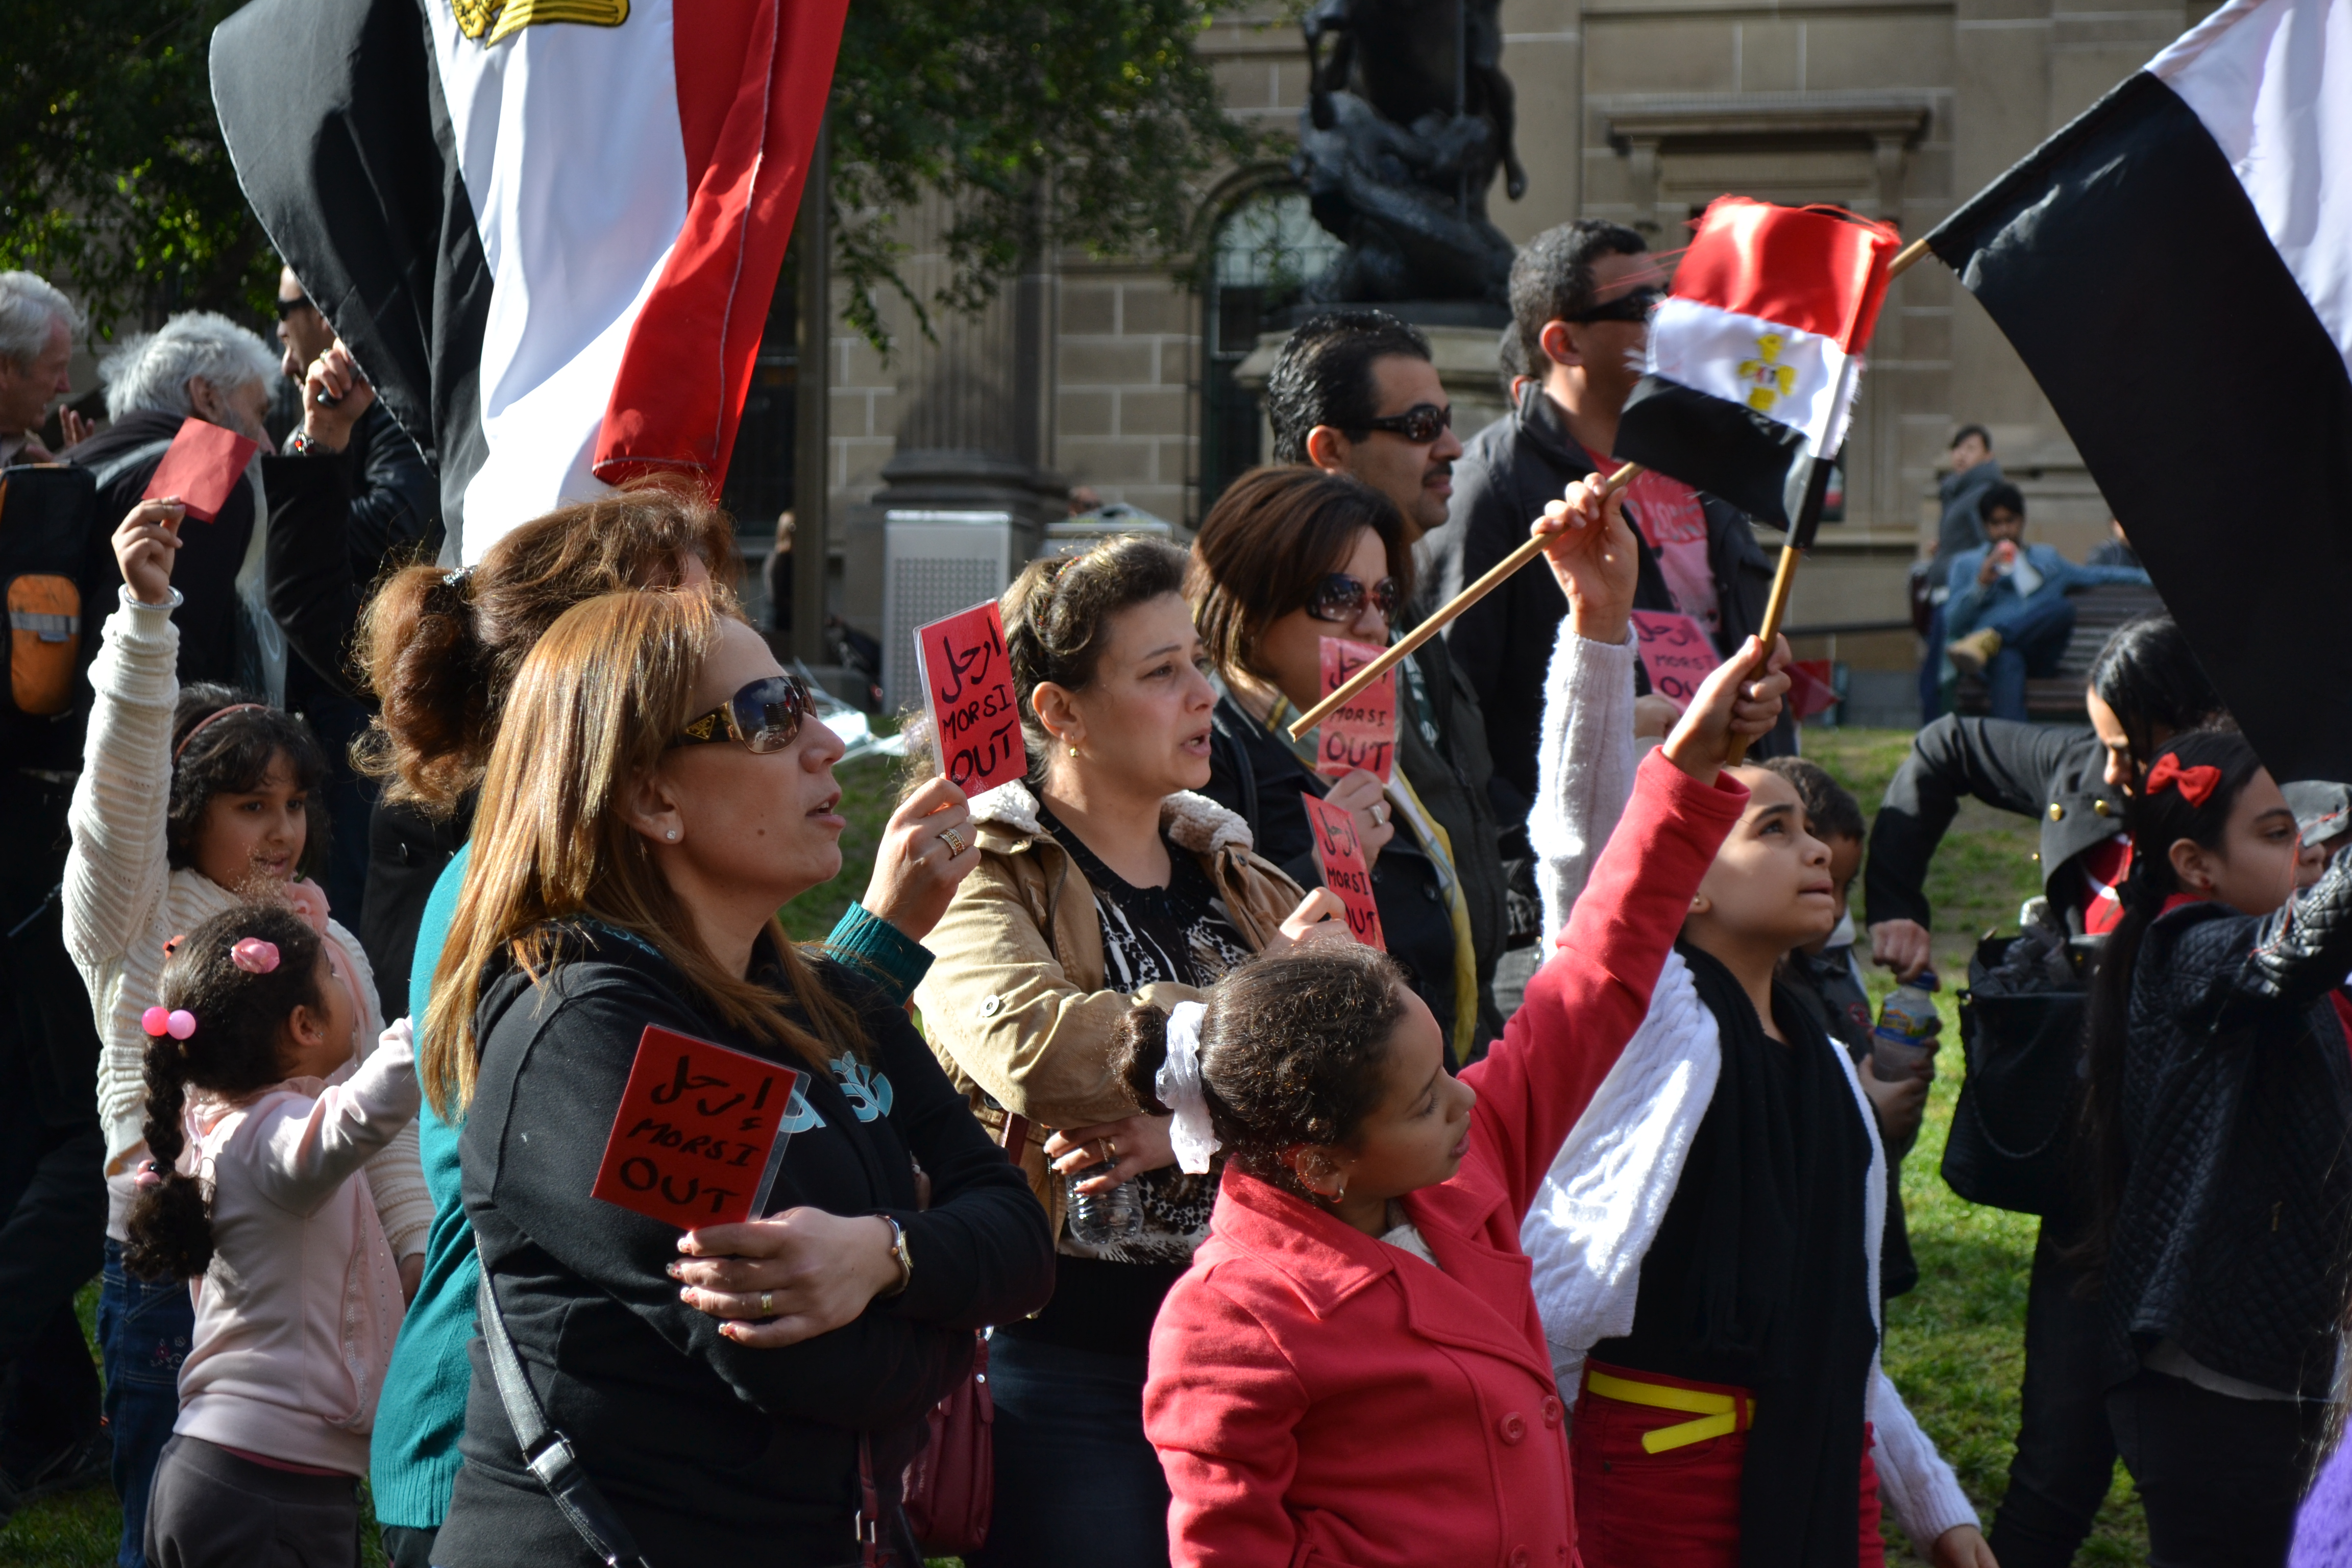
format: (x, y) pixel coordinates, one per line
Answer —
(238, 1010)
(1138, 1049)
(2156, 821)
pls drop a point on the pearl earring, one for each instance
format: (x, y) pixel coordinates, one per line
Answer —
(671, 835)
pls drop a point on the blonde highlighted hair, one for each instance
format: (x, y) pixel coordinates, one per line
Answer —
(590, 713)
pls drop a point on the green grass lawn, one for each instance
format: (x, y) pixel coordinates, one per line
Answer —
(1955, 1346)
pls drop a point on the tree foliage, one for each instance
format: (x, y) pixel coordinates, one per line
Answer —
(1075, 122)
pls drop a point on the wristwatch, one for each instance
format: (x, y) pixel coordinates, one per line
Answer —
(898, 1250)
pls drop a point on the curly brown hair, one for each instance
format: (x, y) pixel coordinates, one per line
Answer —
(1294, 1050)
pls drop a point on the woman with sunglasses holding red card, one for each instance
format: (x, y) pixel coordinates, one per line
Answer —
(747, 1392)
(1287, 557)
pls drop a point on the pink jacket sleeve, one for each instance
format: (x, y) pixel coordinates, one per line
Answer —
(1587, 1000)
(1223, 1408)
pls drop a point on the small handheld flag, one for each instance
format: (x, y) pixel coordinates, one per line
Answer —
(1755, 357)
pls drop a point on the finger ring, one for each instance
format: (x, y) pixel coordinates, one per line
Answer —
(952, 839)
(1381, 811)
(1110, 1147)
(767, 1303)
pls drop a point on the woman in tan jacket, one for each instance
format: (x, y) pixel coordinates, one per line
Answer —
(1103, 882)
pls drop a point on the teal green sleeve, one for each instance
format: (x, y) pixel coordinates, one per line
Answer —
(883, 952)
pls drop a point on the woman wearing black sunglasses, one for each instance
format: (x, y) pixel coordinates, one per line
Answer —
(747, 1391)
(1287, 557)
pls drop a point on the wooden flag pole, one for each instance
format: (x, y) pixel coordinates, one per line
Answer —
(1775, 610)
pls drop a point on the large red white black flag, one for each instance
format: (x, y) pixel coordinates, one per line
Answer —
(1755, 357)
(2176, 266)
(549, 229)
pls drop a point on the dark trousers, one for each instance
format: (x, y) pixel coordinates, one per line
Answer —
(1078, 1483)
(213, 1510)
(2065, 1458)
(406, 1548)
(1931, 672)
(2220, 1478)
(145, 1328)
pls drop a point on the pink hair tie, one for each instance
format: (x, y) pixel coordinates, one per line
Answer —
(149, 1176)
(176, 1022)
(254, 955)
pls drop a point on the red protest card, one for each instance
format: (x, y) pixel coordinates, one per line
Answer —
(1362, 734)
(1676, 653)
(700, 1133)
(968, 689)
(202, 467)
(1339, 856)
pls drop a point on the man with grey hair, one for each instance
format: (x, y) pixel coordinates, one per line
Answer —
(38, 327)
(198, 364)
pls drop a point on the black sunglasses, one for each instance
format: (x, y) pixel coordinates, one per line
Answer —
(299, 302)
(1632, 305)
(764, 716)
(1339, 597)
(1419, 423)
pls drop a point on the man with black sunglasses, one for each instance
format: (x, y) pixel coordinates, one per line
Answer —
(1354, 392)
(1581, 298)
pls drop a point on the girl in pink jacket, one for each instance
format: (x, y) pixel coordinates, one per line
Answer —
(1353, 1373)
(258, 1125)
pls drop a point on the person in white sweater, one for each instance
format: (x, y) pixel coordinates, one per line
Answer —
(260, 1121)
(1706, 1246)
(187, 804)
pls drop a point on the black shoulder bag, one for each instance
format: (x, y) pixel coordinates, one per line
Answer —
(2012, 1128)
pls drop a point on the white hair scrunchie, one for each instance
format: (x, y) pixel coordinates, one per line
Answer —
(1179, 1086)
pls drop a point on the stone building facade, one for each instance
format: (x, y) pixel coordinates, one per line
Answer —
(1122, 378)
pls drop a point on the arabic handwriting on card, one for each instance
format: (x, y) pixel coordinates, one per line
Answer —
(701, 1132)
(968, 691)
(1339, 856)
(1677, 654)
(202, 467)
(1362, 734)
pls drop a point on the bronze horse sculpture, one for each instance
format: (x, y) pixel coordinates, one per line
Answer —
(1407, 119)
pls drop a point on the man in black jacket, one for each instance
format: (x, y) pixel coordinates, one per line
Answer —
(1581, 295)
(352, 482)
(1354, 393)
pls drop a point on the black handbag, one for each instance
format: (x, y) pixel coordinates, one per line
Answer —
(2012, 1131)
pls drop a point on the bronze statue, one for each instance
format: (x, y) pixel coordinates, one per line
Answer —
(1405, 124)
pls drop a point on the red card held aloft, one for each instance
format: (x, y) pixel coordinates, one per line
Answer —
(1363, 732)
(968, 691)
(1812, 687)
(1339, 856)
(202, 467)
(1677, 654)
(700, 1133)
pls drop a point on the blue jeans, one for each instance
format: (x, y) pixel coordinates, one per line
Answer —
(1078, 1483)
(2034, 637)
(144, 1327)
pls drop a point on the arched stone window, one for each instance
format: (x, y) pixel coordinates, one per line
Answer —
(1268, 246)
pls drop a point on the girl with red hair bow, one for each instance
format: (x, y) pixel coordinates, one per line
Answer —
(2220, 1100)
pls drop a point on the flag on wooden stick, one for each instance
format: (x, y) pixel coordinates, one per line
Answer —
(2176, 266)
(1755, 356)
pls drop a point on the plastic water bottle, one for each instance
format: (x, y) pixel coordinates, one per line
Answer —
(1908, 1027)
(1102, 1219)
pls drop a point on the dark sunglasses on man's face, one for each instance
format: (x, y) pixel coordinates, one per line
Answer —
(764, 716)
(287, 307)
(1633, 306)
(1340, 598)
(1419, 423)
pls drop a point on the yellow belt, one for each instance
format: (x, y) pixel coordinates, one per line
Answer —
(1718, 1414)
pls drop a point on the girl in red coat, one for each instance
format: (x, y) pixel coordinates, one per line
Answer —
(1353, 1373)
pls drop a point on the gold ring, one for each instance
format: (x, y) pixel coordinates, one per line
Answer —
(767, 1304)
(952, 839)
(1110, 1147)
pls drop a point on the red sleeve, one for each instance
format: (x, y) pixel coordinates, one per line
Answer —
(1587, 1000)
(1221, 1408)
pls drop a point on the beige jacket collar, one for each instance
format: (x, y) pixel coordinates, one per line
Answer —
(1192, 822)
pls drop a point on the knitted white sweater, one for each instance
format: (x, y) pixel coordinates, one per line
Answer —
(1599, 1207)
(123, 902)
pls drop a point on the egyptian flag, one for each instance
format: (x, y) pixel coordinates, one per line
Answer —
(1755, 356)
(2175, 269)
(548, 229)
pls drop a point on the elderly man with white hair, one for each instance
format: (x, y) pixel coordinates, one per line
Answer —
(38, 327)
(201, 364)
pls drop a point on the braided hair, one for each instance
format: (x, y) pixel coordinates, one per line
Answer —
(1294, 1047)
(240, 1018)
(2156, 820)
